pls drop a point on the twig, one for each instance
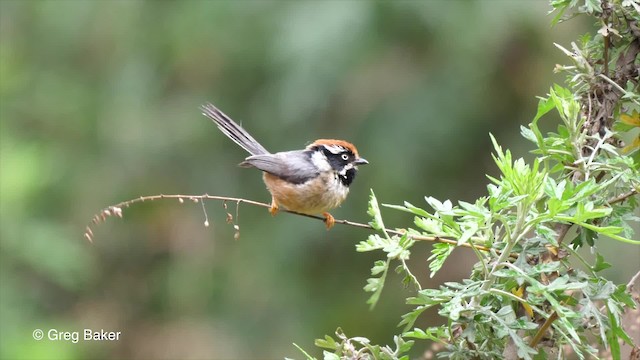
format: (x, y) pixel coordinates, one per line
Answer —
(562, 232)
(543, 329)
(633, 281)
(117, 211)
(622, 197)
(605, 54)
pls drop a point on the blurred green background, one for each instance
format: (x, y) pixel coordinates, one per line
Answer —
(99, 104)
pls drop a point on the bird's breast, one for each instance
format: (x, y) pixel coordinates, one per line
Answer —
(315, 196)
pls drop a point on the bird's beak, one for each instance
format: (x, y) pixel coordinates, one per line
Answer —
(361, 161)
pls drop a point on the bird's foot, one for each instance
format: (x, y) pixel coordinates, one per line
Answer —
(329, 220)
(273, 210)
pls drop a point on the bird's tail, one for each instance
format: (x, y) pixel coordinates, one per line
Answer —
(234, 131)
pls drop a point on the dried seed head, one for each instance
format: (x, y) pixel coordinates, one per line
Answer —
(116, 211)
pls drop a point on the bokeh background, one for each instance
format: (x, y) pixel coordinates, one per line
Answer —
(99, 104)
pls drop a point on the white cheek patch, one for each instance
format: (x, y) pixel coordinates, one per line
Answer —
(346, 168)
(320, 161)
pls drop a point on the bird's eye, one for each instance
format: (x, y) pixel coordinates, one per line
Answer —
(345, 157)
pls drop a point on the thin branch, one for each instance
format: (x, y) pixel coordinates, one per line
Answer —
(633, 280)
(543, 329)
(605, 54)
(562, 232)
(615, 84)
(117, 211)
(622, 197)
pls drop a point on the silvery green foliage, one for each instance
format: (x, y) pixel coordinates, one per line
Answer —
(529, 283)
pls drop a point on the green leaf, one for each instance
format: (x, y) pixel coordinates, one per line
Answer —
(372, 284)
(376, 285)
(374, 212)
(439, 255)
(592, 6)
(330, 356)
(609, 231)
(563, 284)
(528, 134)
(612, 339)
(373, 242)
(561, 8)
(502, 328)
(533, 133)
(378, 267)
(431, 226)
(409, 319)
(410, 209)
(600, 264)
(327, 343)
(432, 333)
(468, 233)
(544, 106)
(306, 355)
(402, 346)
(622, 295)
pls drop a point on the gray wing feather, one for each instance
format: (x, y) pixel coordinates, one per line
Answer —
(297, 168)
(234, 131)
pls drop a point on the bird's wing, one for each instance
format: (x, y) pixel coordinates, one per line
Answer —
(292, 166)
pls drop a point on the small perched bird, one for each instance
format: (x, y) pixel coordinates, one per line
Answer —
(309, 181)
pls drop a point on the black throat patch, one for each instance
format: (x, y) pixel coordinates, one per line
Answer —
(339, 161)
(348, 177)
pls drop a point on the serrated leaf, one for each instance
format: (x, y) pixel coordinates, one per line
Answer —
(612, 339)
(544, 106)
(372, 284)
(528, 134)
(410, 318)
(439, 255)
(406, 346)
(327, 343)
(432, 333)
(600, 264)
(408, 207)
(468, 233)
(431, 226)
(374, 212)
(376, 285)
(373, 242)
(436, 204)
(378, 267)
(361, 340)
(592, 6)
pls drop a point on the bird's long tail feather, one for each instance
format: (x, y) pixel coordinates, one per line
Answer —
(234, 131)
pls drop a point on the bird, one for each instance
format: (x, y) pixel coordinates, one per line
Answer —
(310, 181)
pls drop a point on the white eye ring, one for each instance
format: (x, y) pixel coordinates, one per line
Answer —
(345, 157)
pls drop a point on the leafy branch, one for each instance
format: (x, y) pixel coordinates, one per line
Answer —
(531, 293)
